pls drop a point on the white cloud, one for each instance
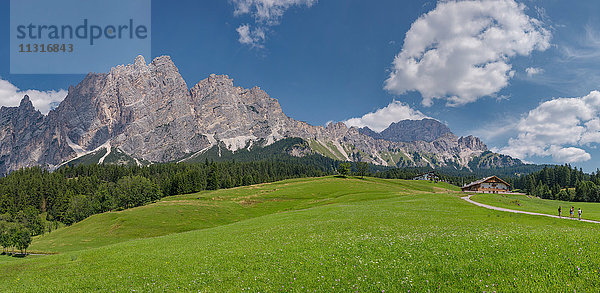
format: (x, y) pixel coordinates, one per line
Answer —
(266, 13)
(568, 154)
(460, 51)
(250, 37)
(531, 71)
(382, 118)
(558, 128)
(11, 96)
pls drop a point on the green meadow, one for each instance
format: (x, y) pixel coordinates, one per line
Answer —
(320, 234)
(208, 209)
(590, 211)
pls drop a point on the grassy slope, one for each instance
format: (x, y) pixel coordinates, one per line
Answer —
(590, 210)
(387, 239)
(213, 208)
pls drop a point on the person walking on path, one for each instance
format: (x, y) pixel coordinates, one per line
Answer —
(559, 210)
(579, 214)
(571, 211)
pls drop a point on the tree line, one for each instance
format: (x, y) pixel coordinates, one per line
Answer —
(562, 182)
(459, 179)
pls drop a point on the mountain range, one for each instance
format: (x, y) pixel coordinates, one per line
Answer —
(146, 113)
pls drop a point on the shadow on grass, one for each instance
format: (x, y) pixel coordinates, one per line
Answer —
(14, 254)
(353, 177)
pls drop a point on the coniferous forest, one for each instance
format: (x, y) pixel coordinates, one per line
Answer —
(562, 183)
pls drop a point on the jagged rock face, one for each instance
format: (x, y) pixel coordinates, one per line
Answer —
(147, 112)
(410, 130)
(237, 116)
(472, 143)
(143, 109)
(26, 139)
(444, 151)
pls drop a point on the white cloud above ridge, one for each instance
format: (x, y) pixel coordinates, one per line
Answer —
(382, 118)
(11, 96)
(266, 13)
(559, 128)
(460, 51)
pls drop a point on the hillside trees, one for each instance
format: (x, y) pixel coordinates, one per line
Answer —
(362, 168)
(133, 191)
(22, 239)
(73, 193)
(15, 236)
(29, 218)
(344, 169)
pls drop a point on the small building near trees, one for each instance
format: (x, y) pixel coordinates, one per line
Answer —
(491, 184)
(429, 176)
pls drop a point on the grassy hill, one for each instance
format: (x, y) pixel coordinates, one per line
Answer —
(324, 234)
(214, 208)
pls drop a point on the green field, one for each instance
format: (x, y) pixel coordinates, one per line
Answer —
(323, 234)
(590, 211)
(208, 209)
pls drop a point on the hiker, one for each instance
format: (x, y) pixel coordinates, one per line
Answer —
(571, 212)
(579, 214)
(559, 210)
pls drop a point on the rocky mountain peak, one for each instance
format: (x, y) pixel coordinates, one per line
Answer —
(338, 129)
(165, 64)
(336, 126)
(370, 132)
(139, 61)
(26, 103)
(410, 130)
(472, 142)
(415, 130)
(220, 80)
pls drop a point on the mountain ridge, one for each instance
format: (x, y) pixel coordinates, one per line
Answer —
(147, 111)
(426, 129)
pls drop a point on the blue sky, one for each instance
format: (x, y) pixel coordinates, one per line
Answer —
(334, 61)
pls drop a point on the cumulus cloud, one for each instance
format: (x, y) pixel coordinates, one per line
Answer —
(266, 13)
(531, 71)
(558, 128)
(10, 96)
(460, 51)
(382, 118)
(568, 154)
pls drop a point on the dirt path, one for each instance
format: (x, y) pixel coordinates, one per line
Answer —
(468, 198)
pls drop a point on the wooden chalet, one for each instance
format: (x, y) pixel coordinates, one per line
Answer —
(491, 184)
